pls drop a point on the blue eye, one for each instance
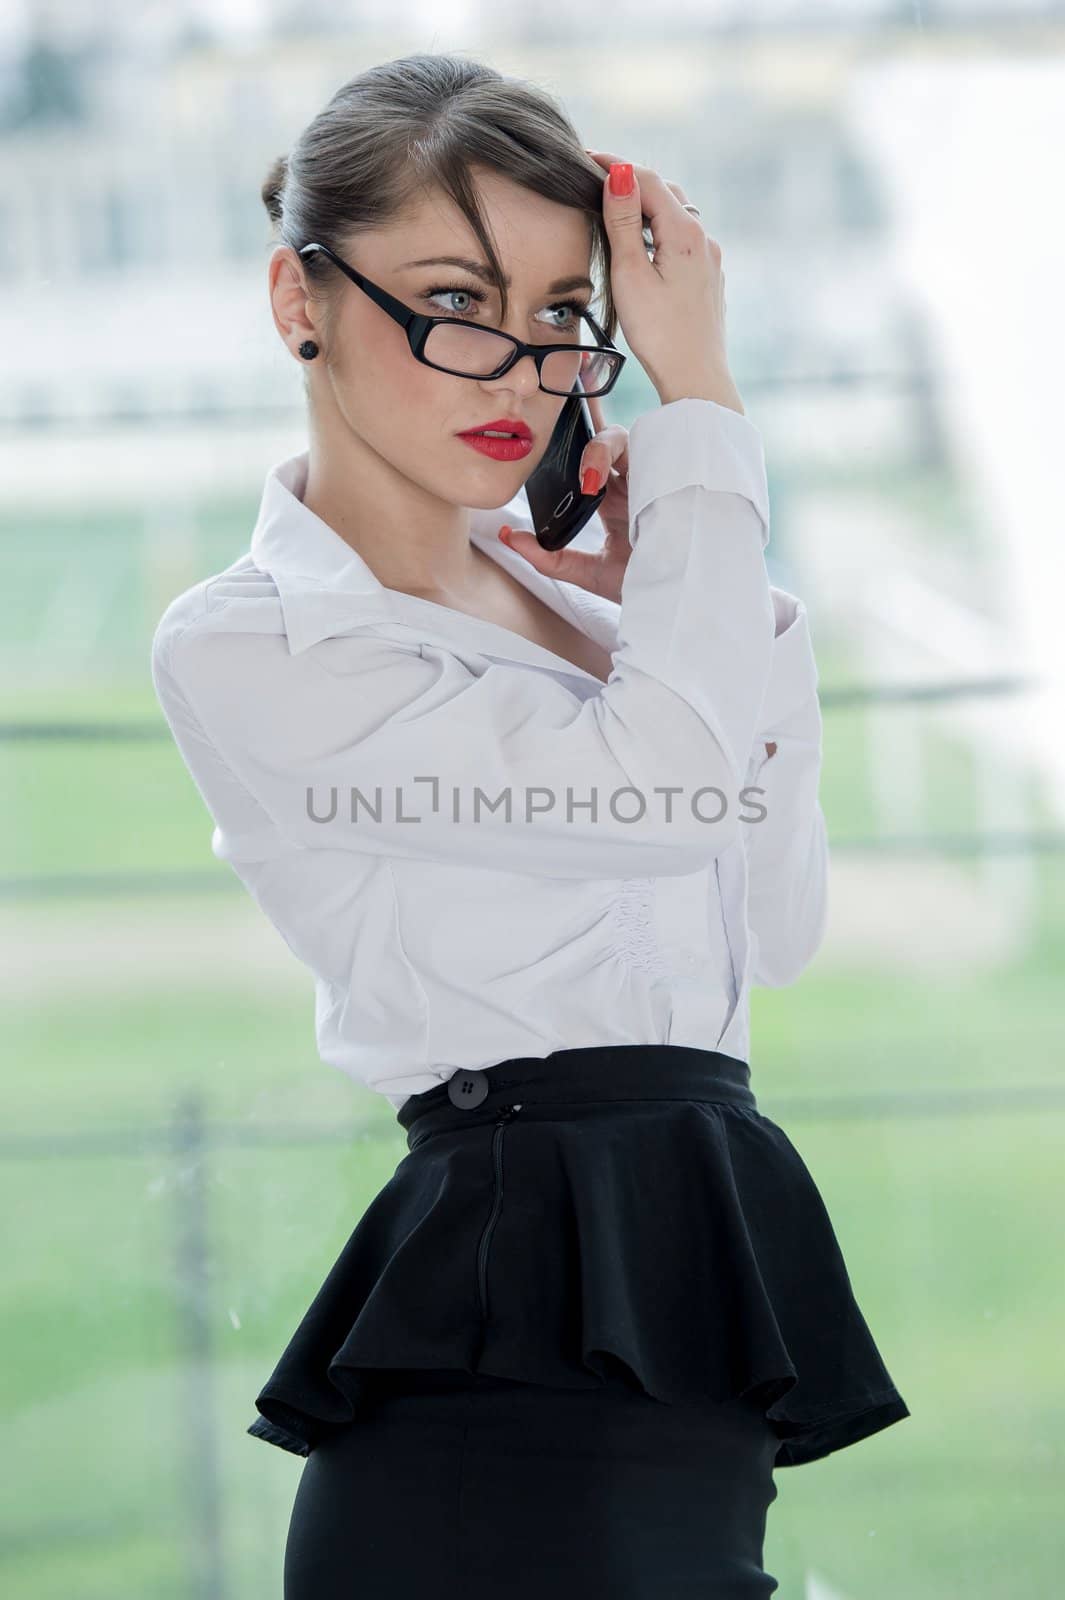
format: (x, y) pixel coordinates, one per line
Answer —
(574, 307)
(474, 294)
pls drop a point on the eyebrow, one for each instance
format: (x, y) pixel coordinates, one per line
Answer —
(480, 270)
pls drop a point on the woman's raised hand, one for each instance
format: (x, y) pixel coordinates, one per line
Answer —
(672, 313)
(671, 309)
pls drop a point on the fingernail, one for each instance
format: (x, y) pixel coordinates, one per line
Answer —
(589, 481)
(621, 179)
(505, 531)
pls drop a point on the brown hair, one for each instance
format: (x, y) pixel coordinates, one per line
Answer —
(424, 120)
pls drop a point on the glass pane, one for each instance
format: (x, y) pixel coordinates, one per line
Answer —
(561, 370)
(472, 350)
(168, 1226)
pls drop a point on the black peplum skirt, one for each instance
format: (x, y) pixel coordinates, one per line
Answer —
(615, 1215)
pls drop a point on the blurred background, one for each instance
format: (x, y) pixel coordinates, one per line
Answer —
(179, 1170)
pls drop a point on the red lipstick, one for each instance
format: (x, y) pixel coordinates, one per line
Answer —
(485, 438)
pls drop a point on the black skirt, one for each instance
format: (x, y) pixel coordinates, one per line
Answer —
(468, 1487)
(609, 1213)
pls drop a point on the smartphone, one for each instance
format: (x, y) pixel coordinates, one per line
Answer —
(558, 508)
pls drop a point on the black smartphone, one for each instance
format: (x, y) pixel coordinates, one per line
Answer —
(558, 508)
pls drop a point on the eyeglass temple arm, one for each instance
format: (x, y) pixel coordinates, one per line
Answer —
(388, 302)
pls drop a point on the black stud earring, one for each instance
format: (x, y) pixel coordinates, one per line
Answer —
(308, 349)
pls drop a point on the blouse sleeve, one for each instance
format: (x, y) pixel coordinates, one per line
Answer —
(787, 848)
(368, 744)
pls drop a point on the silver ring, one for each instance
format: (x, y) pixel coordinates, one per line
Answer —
(693, 209)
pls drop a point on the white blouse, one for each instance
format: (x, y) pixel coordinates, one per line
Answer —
(479, 849)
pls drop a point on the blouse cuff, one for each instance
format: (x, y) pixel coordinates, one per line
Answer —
(695, 442)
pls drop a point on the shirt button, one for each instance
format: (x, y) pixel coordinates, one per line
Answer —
(467, 1089)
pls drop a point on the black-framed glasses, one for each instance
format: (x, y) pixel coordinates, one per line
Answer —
(468, 351)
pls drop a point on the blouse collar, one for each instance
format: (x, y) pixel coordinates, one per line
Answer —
(325, 586)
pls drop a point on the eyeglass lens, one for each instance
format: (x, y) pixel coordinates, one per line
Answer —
(476, 352)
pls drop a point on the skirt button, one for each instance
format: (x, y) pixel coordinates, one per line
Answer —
(467, 1089)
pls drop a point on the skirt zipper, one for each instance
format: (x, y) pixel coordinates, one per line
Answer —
(506, 1113)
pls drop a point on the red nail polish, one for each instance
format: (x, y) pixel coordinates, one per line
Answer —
(589, 481)
(621, 179)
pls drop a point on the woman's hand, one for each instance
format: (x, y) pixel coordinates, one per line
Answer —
(672, 313)
(671, 309)
(600, 571)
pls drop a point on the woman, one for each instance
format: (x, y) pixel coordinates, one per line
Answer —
(491, 797)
